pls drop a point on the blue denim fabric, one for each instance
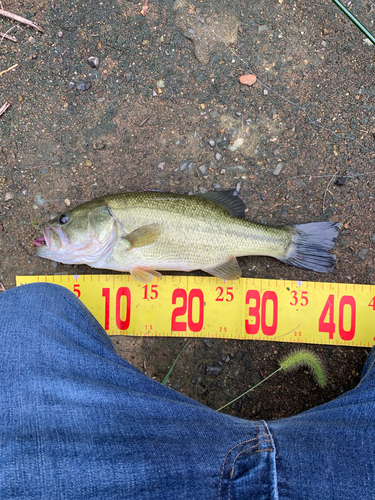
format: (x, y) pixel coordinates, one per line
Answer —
(78, 422)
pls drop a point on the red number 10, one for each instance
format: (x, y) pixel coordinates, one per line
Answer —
(121, 292)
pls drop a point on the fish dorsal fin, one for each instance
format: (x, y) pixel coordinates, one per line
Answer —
(229, 270)
(144, 275)
(228, 200)
(143, 236)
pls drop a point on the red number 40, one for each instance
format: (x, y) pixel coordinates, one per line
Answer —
(328, 312)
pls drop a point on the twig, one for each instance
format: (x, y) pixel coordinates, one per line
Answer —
(6, 34)
(4, 107)
(317, 177)
(144, 121)
(9, 69)
(325, 192)
(8, 37)
(21, 20)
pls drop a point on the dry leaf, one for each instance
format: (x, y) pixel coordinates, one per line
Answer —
(144, 8)
(248, 79)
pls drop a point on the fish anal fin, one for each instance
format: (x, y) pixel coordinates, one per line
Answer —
(229, 270)
(143, 236)
(143, 274)
(228, 200)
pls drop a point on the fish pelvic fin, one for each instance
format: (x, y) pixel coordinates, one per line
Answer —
(310, 246)
(144, 275)
(143, 236)
(229, 270)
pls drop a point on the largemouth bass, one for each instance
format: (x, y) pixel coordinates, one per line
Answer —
(149, 231)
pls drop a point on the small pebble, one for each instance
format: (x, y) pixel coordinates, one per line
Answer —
(265, 92)
(186, 164)
(39, 201)
(93, 62)
(207, 342)
(99, 145)
(218, 156)
(216, 185)
(8, 196)
(278, 168)
(60, 34)
(237, 144)
(71, 85)
(31, 40)
(211, 142)
(67, 202)
(203, 169)
(161, 165)
(363, 253)
(214, 370)
(81, 85)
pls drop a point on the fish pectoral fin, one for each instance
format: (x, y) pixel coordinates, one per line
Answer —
(143, 236)
(230, 270)
(144, 275)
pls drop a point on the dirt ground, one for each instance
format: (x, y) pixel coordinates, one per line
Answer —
(163, 109)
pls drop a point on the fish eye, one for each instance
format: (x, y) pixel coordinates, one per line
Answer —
(64, 218)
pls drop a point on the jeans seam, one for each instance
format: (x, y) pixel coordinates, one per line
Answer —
(260, 439)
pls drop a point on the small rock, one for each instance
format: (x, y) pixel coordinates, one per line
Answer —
(93, 62)
(81, 85)
(8, 196)
(325, 31)
(214, 114)
(214, 370)
(265, 92)
(203, 169)
(262, 27)
(276, 152)
(216, 185)
(98, 146)
(237, 144)
(60, 34)
(31, 40)
(363, 253)
(238, 113)
(39, 201)
(186, 164)
(218, 156)
(278, 168)
(212, 143)
(88, 163)
(372, 238)
(340, 181)
(194, 380)
(207, 342)
(161, 165)
(67, 202)
(71, 86)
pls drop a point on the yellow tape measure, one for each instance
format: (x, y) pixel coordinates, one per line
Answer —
(251, 309)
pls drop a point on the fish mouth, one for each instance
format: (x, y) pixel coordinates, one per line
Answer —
(43, 240)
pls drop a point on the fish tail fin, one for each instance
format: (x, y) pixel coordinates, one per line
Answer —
(310, 245)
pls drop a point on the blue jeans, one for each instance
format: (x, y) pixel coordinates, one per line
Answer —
(78, 422)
